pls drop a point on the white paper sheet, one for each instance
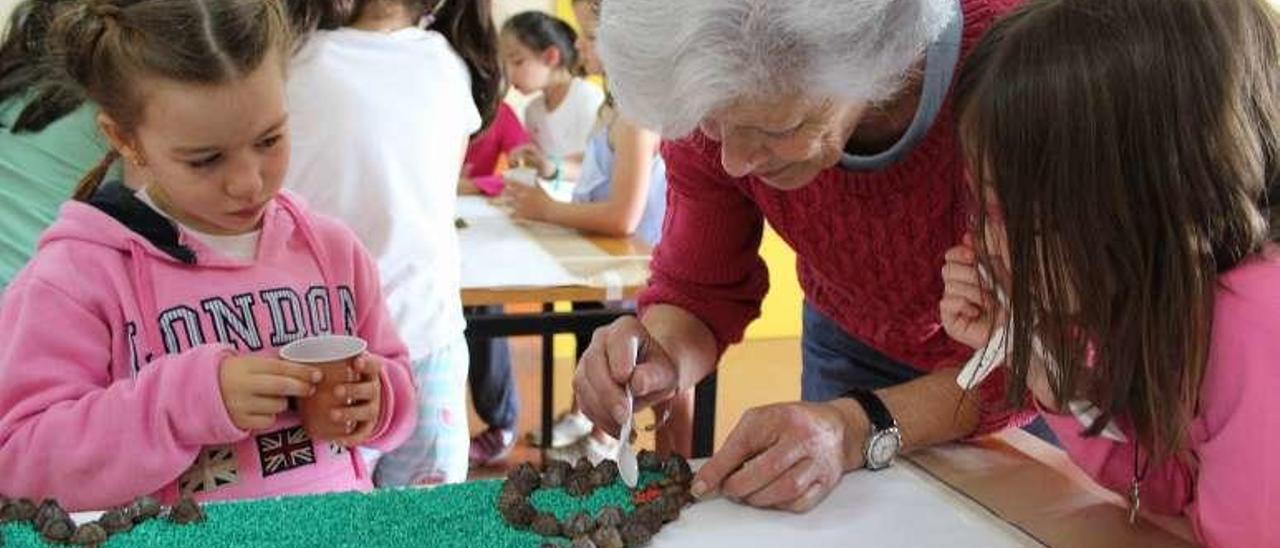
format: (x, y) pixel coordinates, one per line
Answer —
(498, 253)
(901, 506)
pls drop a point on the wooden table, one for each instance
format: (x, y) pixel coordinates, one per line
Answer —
(488, 233)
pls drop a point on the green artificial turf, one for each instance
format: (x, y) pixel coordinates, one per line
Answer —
(452, 515)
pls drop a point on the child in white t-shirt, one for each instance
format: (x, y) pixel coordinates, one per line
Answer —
(539, 53)
(382, 110)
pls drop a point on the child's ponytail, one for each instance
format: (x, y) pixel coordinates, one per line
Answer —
(468, 25)
(26, 70)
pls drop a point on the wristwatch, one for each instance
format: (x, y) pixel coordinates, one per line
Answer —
(884, 441)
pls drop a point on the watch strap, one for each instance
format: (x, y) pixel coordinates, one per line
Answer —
(875, 408)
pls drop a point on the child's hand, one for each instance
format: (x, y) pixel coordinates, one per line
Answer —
(968, 312)
(255, 389)
(530, 156)
(366, 401)
(527, 202)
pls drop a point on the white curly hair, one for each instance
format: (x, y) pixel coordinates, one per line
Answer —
(672, 62)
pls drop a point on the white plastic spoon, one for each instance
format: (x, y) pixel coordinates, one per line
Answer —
(628, 468)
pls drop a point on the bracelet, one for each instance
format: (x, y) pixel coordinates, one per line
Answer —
(555, 175)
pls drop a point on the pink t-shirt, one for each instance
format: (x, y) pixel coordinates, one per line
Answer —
(1228, 481)
(502, 137)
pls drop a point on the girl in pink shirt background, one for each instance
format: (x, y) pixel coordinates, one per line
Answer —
(139, 349)
(1124, 150)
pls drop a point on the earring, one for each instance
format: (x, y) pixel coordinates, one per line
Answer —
(134, 158)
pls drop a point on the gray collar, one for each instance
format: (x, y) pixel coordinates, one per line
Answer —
(940, 66)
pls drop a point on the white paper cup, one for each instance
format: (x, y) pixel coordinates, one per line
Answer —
(526, 176)
(324, 349)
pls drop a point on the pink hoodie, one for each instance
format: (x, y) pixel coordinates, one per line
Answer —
(1228, 483)
(113, 340)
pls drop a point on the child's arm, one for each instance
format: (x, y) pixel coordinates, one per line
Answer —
(620, 214)
(399, 410)
(69, 431)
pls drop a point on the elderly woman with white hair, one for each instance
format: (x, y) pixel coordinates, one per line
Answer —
(830, 119)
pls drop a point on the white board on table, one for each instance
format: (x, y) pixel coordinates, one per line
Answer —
(900, 506)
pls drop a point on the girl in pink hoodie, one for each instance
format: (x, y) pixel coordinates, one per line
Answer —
(1124, 151)
(138, 353)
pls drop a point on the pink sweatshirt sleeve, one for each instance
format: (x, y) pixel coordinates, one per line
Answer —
(68, 430)
(399, 413)
(1228, 484)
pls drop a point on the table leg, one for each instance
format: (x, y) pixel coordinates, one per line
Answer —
(704, 417)
(548, 382)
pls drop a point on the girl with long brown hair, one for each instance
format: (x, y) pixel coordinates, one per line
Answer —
(1122, 151)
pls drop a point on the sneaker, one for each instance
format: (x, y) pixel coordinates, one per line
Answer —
(567, 430)
(491, 446)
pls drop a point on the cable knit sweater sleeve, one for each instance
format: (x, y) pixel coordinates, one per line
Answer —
(708, 261)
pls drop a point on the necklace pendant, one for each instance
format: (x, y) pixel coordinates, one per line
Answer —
(1135, 503)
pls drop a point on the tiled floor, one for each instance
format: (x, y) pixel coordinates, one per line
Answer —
(752, 374)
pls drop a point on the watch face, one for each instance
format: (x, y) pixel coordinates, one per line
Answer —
(884, 447)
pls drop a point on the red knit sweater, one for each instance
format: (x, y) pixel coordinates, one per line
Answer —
(869, 245)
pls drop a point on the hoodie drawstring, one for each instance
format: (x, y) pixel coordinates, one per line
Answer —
(322, 262)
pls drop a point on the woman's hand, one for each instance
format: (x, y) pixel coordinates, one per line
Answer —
(609, 366)
(255, 390)
(528, 202)
(786, 456)
(969, 311)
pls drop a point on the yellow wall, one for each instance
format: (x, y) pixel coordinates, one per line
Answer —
(780, 317)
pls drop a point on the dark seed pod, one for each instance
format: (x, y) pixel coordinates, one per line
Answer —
(636, 534)
(546, 525)
(510, 495)
(579, 525)
(58, 529)
(143, 509)
(519, 516)
(89, 534)
(47, 511)
(604, 473)
(583, 542)
(677, 469)
(607, 537)
(185, 512)
(649, 461)
(24, 510)
(582, 467)
(579, 486)
(525, 478)
(116, 521)
(668, 508)
(610, 516)
(555, 474)
(647, 516)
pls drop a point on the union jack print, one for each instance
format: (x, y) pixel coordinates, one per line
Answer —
(285, 450)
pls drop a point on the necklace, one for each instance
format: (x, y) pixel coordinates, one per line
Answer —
(1135, 491)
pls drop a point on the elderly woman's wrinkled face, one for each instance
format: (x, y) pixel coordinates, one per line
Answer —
(784, 141)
